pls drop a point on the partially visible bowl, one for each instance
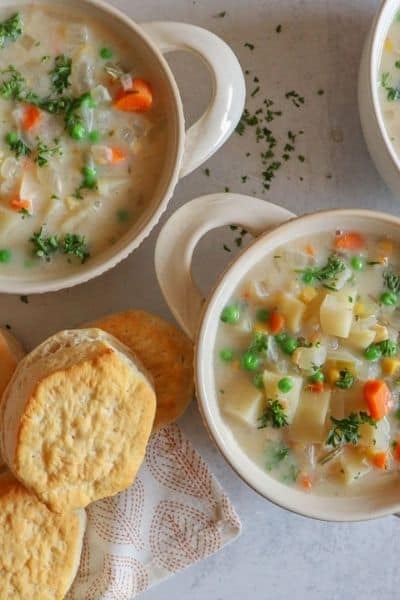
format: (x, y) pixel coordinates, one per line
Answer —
(186, 150)
(376, 136)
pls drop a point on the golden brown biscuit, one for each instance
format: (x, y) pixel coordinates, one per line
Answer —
(76, 419)
(165, 351)
(39, 550)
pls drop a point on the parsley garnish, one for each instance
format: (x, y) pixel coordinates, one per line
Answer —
(10, 29)
(12, 87)
(44, 152)
(17, 145)
(61, 73)
(347, 430)
(44, 246)
(295, 97)
(76, 245)
(274, 415)
(392, 281)
(393, 93)
(346, 380)
(328, 272)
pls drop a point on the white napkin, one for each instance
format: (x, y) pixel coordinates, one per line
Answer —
(173, 516)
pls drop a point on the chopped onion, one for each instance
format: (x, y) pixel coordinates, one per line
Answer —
(127, 135)
(76, 34)
(100, 94)
(87, 117)
(86, 74)
(126, 82)
(102, 155)
(114, 70)
(11, 168)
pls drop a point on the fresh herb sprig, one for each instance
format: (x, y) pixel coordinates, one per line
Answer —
(393, 93)
(17, 145)
(76, 245)
(43, 152)
(46, 245)
(327, 273)
(348, 430)
(346, 380)
(61, 73)
(274, 415)
(10, 29)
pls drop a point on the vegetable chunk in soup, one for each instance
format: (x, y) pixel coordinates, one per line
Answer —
(307, 363)
(82, 140)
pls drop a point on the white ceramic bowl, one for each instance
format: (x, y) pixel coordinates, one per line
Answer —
(274, 226)
(379, 145)
(187, 150)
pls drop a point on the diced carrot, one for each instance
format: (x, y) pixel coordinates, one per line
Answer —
(378, 398)
(305, 481)
(139, 99)
(396, 451)
(276, 322)
(380, 460)
(317, 387)
(19, 204)
(118, 155)
(310, 250)
(350, 240)
(32, 116)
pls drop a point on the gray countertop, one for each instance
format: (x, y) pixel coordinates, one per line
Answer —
(279, 555)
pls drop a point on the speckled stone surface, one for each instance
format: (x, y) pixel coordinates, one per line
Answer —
(279, 556)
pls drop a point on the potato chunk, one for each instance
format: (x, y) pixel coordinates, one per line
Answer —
(336, 315)
(354, 465)
(242, 400)
(292, 309)
(309, 423)
(377, 438)
(290, 399)
(361, 338)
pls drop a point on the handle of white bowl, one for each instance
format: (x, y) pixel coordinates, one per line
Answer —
(181, 234)
(212, 130)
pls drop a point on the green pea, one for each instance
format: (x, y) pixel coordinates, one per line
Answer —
(307, 277)
(250, 361)
(258, 381)
(5, 255)
(289, 345)
(88, 101)
(226, 355)
(373, 352)
(106, 53)
(285, 384)
(388, 298)
(78, 131)
(94, 136)
(89, 177)
(317, 377)
(357, 263)
(12, 137)
(262, 315)
(231, 314)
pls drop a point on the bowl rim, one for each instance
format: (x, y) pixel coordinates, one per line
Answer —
(202, 350)
(19, 285)
(377, 33)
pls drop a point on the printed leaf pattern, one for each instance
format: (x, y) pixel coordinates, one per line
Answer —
(121, 579)
(174, 462)
(173, 516)
(118, 519)
(181, 535)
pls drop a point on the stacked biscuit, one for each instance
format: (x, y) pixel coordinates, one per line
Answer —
(75, 420)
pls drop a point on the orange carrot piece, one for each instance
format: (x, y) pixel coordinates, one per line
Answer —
(139, 99)
(378, 398)
(380, 460)
(317, 387)
(276, 322)
(350, 240)
(32, 116)
(305, 481)
(396, 451)
(19, 204)
(118, 155)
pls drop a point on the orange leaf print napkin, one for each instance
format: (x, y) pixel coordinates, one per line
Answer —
(173, 516)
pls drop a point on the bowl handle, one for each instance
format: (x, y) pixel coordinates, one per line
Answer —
(218, 122)
(182, 232)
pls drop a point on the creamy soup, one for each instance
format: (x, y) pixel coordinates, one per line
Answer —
(82, 140)
(307, 363)
(389, 83)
